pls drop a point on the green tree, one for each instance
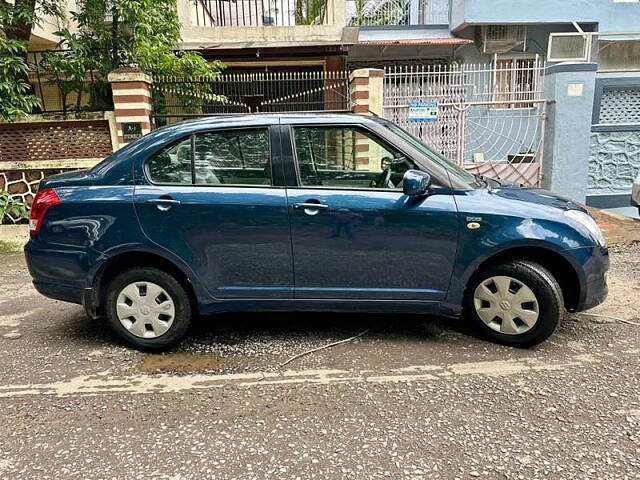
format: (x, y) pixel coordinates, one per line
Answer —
(116, 33)
(17, 20)
(310, 12)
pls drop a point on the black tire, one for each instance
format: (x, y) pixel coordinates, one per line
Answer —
(183, 308)
(542, 284)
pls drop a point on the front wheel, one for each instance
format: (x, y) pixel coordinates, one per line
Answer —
(518, 303)
(148, 308)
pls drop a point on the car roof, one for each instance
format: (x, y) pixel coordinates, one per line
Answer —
(220, 121)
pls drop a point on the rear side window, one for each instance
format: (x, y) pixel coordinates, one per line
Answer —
(172, 164)
(234, 157)
(231, 157)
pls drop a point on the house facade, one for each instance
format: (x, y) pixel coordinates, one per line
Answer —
(482, 61)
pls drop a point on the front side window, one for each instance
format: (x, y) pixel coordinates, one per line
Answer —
(172, 164)
(234, 157)
(347, 157)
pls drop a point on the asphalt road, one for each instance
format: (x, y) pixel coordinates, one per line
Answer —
(413, 398)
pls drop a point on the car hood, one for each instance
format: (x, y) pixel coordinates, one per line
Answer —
(538, 196)
(526, 203)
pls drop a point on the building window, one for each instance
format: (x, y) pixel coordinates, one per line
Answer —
(515, 81)
(618, 55)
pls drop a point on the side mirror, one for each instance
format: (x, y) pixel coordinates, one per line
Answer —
(416, 183)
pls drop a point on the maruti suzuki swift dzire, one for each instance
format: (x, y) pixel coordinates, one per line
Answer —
(330, 212)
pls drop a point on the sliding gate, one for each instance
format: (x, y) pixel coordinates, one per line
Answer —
(176, 99)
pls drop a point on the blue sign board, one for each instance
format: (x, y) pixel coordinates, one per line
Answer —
(421, 111)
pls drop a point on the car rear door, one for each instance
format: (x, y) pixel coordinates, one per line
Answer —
(354, 233)
(217, 200)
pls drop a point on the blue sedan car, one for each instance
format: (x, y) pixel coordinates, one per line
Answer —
(331, 212)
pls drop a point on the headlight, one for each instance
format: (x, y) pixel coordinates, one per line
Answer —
(588, 224)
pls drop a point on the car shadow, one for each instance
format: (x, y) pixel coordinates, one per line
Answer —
(398, 326)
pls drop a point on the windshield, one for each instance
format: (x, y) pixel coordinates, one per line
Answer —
(453, 169)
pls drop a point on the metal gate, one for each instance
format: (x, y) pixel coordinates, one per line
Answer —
(177, 98)
(490, 118)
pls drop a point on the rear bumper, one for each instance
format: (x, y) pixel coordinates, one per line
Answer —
(59, 292)
(57, 273)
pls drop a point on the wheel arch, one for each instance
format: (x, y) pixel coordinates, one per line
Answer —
(135, 259)
(557, 264)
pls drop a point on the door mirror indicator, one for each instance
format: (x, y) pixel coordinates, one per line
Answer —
(416, 183)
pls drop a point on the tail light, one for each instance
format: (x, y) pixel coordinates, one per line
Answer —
(41, 203)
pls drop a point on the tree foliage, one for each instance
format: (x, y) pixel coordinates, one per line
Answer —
(17, 20)
(16, 99)
(110, 35)
(310, 12)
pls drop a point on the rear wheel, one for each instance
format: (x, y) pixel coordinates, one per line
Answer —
(148, 309)
(517, 303)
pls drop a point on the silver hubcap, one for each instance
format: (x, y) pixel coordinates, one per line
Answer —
(145, 309)
(506, 305)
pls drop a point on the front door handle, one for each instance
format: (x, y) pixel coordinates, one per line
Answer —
(310, 208)
(164, 204)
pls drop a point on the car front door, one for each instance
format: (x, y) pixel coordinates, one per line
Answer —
(217, 200)
(354, 233)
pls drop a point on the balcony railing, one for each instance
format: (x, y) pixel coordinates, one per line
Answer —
(259, 13)
(398, 12)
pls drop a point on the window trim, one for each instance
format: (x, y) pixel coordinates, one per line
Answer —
(384, 142)
(192, 137)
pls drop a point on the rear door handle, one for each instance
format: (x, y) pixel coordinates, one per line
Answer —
(316, 206)
(163, 204)
(310, 208)
(164, 201)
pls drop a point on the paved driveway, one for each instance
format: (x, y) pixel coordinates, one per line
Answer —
(413, 398)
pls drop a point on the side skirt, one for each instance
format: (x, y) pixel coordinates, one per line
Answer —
(320, 305)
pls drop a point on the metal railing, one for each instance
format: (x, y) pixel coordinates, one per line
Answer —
(505, 83)
(60, 94)
(259, 13)
(398, 12)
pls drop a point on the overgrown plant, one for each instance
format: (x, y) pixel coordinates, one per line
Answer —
(16, 99)
(387, 12)
(12, 208)
(17, 20)
(310, 12)
(120, 33)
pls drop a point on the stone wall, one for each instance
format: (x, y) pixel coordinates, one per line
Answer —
(614, 162)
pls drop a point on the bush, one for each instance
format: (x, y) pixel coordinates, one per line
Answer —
(11, 209)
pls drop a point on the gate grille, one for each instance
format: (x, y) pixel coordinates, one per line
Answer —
(237, 93)
(490, 116)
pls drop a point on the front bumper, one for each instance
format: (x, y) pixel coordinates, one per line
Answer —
(594, 263)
